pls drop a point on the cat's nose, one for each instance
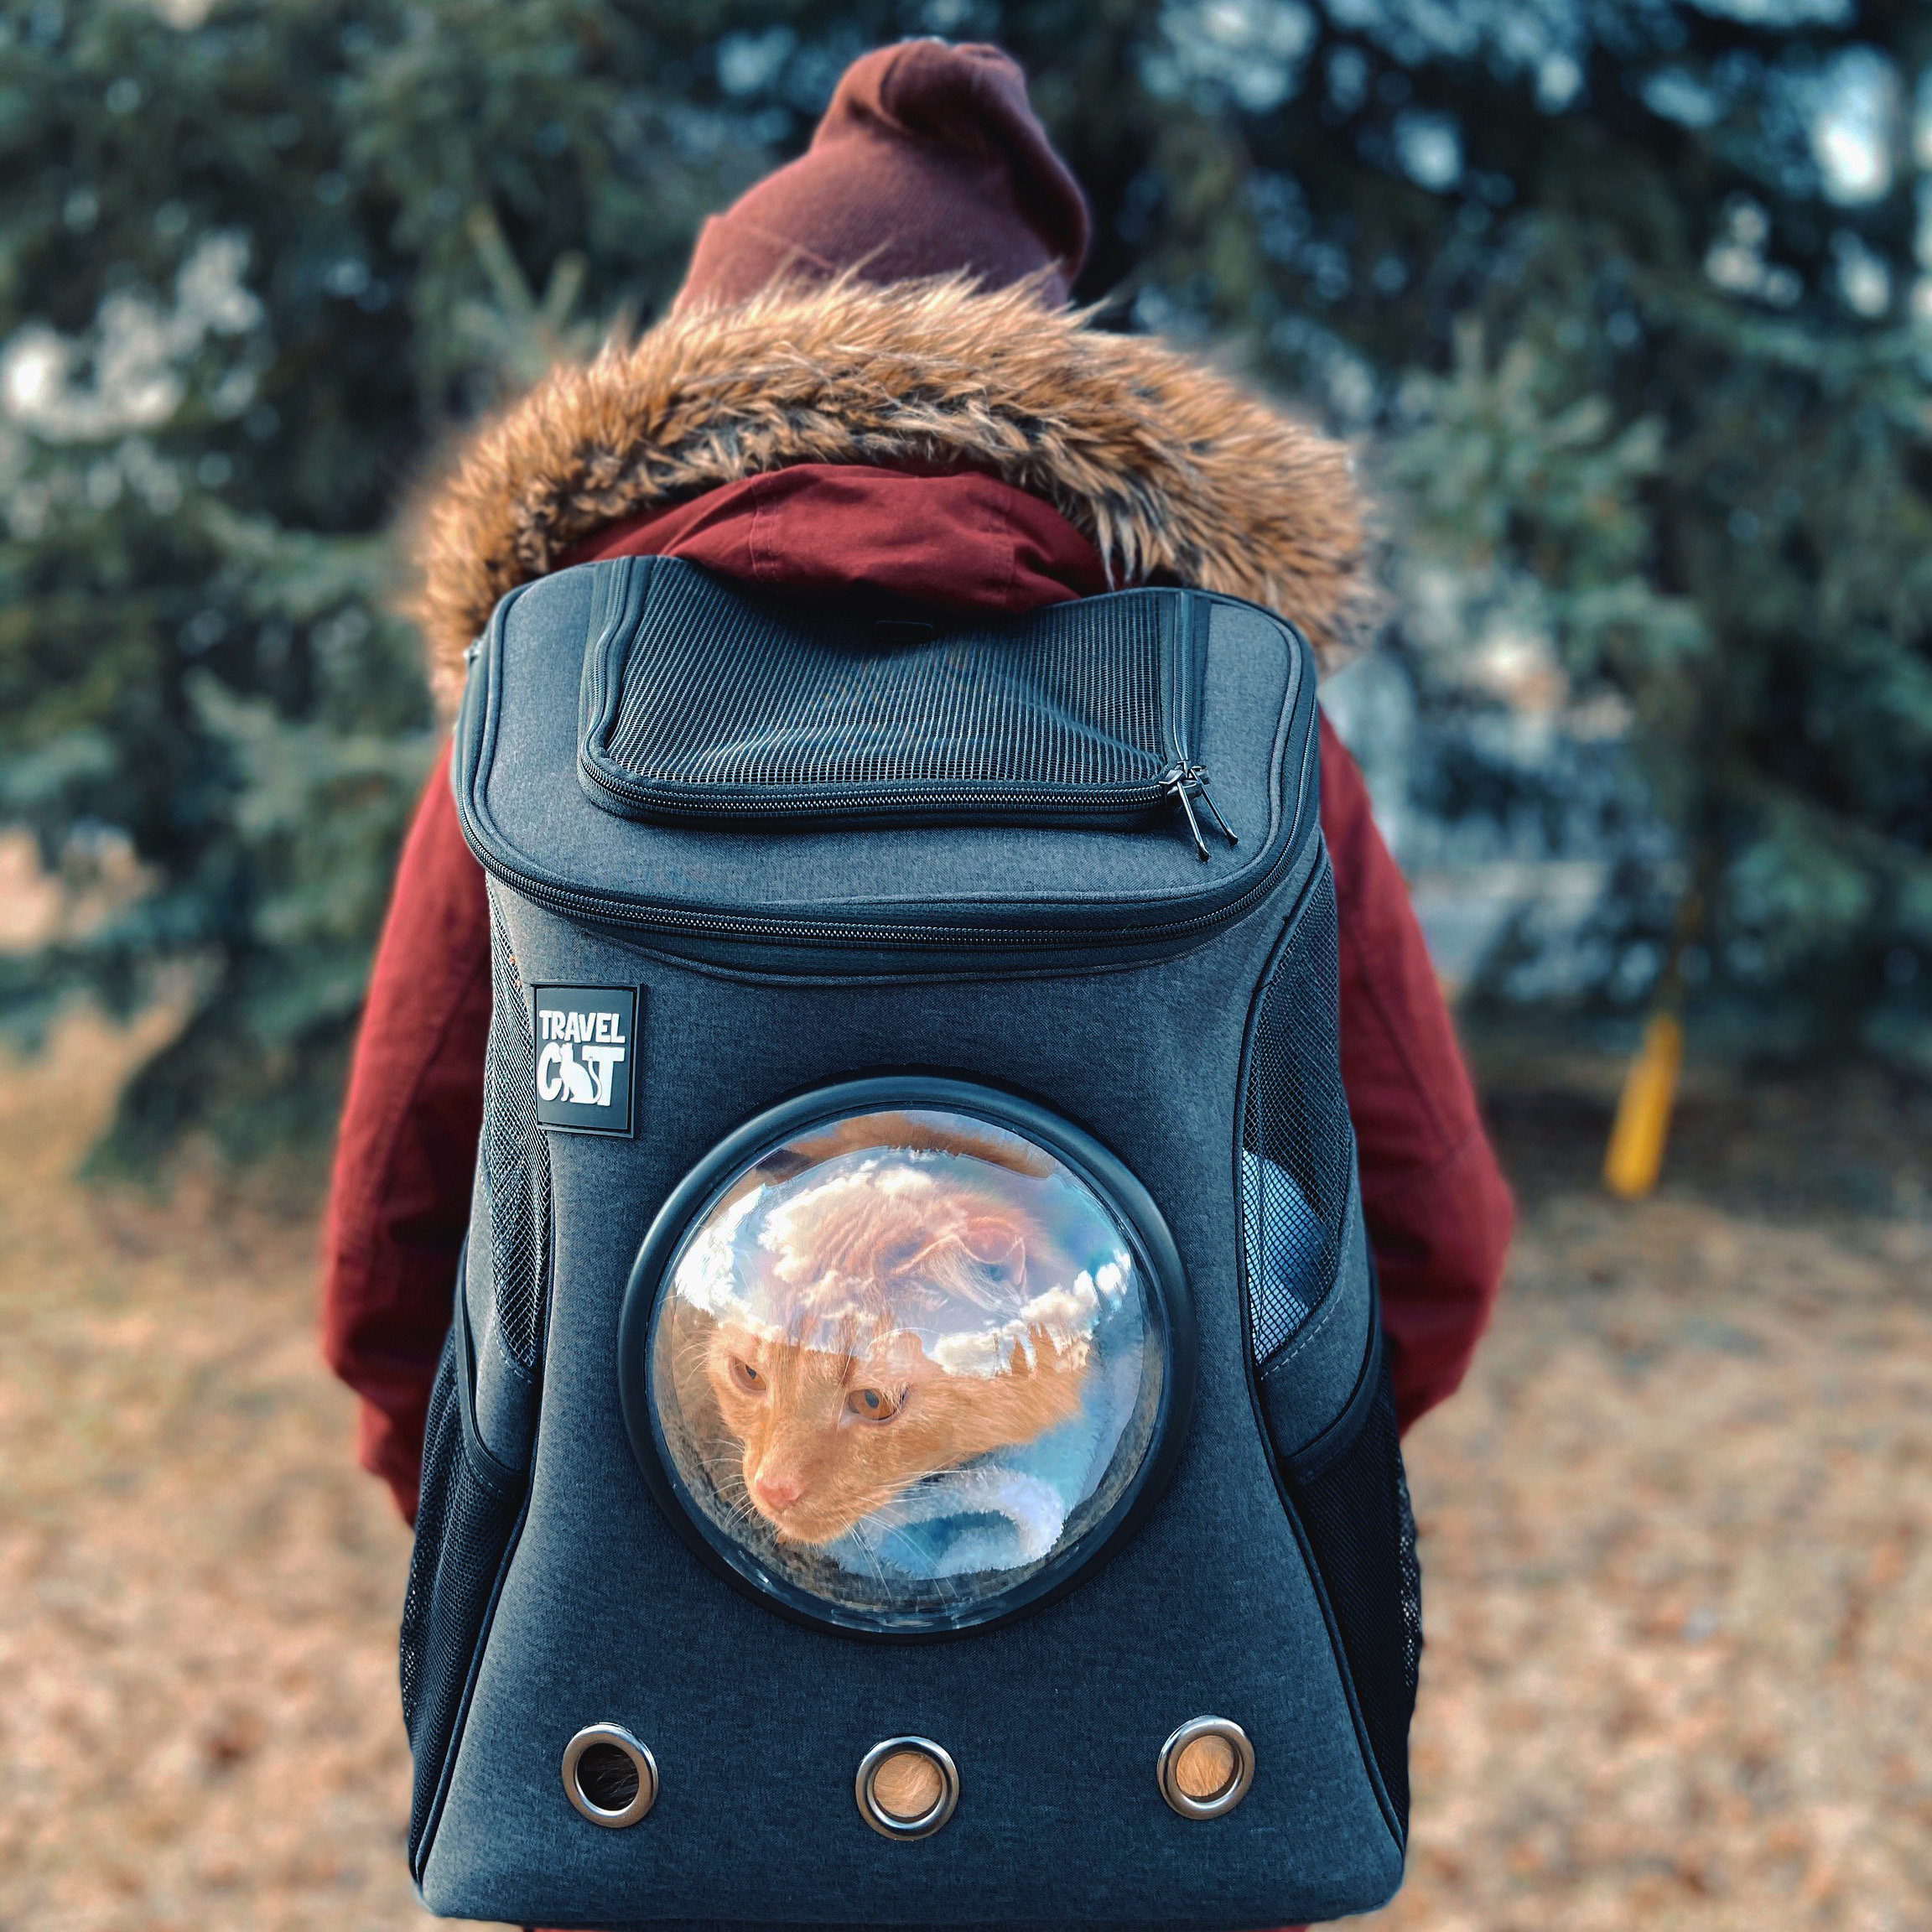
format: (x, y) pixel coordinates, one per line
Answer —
(778, 1492)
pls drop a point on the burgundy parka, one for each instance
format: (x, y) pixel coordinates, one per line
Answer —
(1438, 1210)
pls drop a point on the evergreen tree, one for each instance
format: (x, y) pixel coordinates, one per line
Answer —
(1632, 306)
(1638, 300)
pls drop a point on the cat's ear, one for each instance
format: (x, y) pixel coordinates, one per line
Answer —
(998, 1249)
(782, 1164)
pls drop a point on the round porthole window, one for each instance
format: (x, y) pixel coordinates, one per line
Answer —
(906, 1356)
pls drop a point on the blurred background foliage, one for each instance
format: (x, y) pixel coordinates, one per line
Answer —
(1628, 305)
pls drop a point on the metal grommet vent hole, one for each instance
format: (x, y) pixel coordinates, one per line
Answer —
(906, 1787)
(1206, 1767)
(609, 1776)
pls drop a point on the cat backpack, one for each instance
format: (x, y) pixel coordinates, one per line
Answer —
(914, 1445)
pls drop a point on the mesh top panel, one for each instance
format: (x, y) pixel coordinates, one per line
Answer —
(516, 1159)
(1297, 1145)
(717, 692)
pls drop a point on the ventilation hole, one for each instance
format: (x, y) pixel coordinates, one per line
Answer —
(1205, 1768)
(515, 1160)
(903, 631)
(907, 1785)
(609, 1776)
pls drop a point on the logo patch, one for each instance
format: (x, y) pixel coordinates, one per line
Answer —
(586, 1056)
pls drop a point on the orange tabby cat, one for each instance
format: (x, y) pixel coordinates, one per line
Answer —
(837, 1406)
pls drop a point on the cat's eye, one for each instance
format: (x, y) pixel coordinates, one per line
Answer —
(906, 1250)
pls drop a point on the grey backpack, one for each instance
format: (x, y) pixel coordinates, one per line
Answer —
(914, 1445)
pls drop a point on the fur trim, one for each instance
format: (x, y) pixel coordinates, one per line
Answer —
(1166, 466)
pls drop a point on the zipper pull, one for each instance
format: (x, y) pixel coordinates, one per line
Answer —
(1200, 779)
(1176, 780)
(1182, 782)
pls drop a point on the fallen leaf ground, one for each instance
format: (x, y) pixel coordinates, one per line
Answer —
(1677, 1539)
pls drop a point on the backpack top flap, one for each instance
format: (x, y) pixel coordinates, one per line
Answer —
(763, 780)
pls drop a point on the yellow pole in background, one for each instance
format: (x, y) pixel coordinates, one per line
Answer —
(1635, 1157)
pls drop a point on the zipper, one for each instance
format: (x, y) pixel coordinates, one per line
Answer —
(1184, 780)
(810, 932)
(1118, 802)
(866, 933)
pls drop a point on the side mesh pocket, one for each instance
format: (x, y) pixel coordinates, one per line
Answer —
(1355, 1508)
(1297, 1147)
(465, 1515)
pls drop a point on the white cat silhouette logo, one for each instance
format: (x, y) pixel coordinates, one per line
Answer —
(561, 1075)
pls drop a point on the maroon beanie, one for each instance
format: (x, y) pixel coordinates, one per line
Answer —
(928, 161)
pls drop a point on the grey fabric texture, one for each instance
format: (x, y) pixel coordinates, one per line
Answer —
(757, 1724)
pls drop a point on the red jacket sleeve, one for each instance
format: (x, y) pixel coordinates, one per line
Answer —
(399, 1200)
(1438, 1209)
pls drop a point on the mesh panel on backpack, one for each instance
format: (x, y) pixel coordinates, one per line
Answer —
(1359, 1523)
(515, 1160)
(463, 1525)
(1297, 1145)
(1076, 700)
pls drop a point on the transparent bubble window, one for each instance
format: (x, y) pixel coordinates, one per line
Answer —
(908, 1367)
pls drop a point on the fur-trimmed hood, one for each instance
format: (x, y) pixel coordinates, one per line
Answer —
(1166, 465)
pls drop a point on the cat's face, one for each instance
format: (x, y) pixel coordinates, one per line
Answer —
(833, 1425)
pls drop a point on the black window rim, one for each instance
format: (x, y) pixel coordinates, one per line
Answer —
(1168, 1301)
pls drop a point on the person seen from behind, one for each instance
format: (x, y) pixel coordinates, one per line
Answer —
(871, 382)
